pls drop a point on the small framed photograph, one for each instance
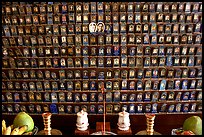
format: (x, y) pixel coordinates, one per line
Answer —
(152, 7)
(199, 84)
(61, 97)
(124, 74)
(124, 97)
(101, 51)
(148, 50)
(178, 73)
(170, 85)
(162, 85)
(199, 73)
(148, 85)
(146, 39)
(84, 97)
(140, 73)
(92, 109)
(85, 7)
(198, 61)
(163, 96)
(138, 17)
(138, 28)
(168, 28)
(160, 17)
(115, 28)
(198, 39)
(168, 39)
(13, 31)
(161, 39)
(115, 17)
(79, 18)
(129, 18)
(171, 108)
(116, 73)
(190, 29)
(197, 27)
(138, 40)
(9, 97)
(191, 61)
(154, 28)
(31, 97)
(100, 109)
(185, 84)
(132, 85)
(22, 109)
(183, 61)
(145, 28)
(178, 96)
(155, 51)
(85, 85)
(174, 7)
(77, 97)
(145, 18)
(154, 39)
(195, 7)
(188, 7)
(39, 86)
(85, 28)
(177, 84)
(124, 85)
(176, 61)
(93, 74)
(77, 85)
(181, 7)
(132, 108)
(147, 61)
(139, 85)
(40, 40)
(154, 108)
(178, 107)
(159, 7)
(107, 17)
(199, 51)
(93, 97)
(192, 95)
(140, 50)
(155, 73)
(169, 61)
(154, 61)
(186, 107)
(148, 108)
(123, 17)
(167, 18)
(131, 62)
(108, 97)
(123, 61)
(70, 86)
(175, 28)
(199, 95)
(123, 50)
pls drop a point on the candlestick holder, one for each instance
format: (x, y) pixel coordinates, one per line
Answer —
(47, 126)
(150, 124)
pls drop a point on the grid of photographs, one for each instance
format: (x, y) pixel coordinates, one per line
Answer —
(150, 49)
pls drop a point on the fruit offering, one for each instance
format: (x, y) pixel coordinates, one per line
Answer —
(22, 119)
(23, 124)
(194, 124)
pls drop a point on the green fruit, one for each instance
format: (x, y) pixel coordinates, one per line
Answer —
(22, 119)
(194, 124)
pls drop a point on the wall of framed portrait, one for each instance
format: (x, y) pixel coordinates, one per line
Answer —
(56, 56)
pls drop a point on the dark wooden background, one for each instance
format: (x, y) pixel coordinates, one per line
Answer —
(67, 123)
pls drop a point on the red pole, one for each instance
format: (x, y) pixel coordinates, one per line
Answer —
(104, 117)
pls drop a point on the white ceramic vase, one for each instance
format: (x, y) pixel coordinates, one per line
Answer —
(123, 121)
(82, 120)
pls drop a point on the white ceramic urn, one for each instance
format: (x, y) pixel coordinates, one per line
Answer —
(82, 120)
(123, 121)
